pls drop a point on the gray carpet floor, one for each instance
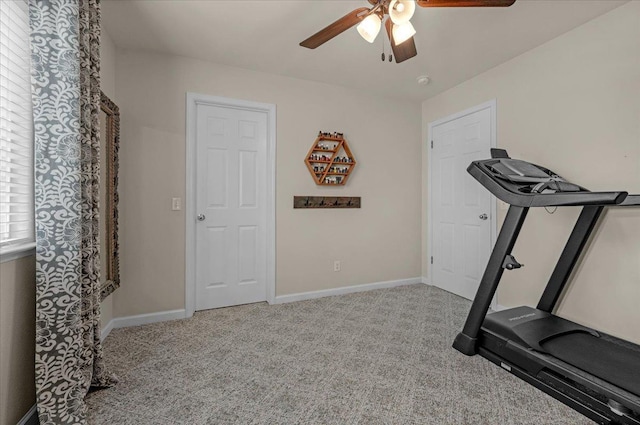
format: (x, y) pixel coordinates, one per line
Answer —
(378, 357)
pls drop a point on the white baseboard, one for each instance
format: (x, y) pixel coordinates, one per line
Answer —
(499, 307)
(106, 330)
(281, 299)
(142, 319)
(30, 418)
(425, 280)
(163, 316)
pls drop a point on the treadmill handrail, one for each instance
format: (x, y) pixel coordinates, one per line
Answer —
(631, 201)
(544, 199)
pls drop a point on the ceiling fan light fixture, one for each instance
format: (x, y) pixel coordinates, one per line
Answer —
(401, 11)
(403, 32)
(370, 27)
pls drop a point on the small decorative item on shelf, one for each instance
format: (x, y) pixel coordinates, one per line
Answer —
(329, 150)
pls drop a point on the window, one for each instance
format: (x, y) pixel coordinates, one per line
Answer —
(16, 129)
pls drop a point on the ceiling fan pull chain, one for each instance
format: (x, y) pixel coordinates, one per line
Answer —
(382, 56)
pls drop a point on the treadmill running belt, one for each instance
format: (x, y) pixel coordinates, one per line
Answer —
(611, 362)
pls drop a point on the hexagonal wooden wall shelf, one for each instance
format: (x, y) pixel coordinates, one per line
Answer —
(330, 160)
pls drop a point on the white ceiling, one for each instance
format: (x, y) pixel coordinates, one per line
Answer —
(454, 44)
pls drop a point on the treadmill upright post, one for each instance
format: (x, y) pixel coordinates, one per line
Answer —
(466, 340)
(569, 257)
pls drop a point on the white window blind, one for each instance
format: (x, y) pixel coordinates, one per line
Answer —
(16, 128)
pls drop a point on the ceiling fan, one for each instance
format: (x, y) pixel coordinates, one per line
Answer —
(398, 25)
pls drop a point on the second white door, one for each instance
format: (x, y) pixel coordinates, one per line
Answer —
(461, 207)
(231, 190)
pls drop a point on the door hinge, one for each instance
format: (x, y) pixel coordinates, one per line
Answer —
(432, 259)
(432, 144)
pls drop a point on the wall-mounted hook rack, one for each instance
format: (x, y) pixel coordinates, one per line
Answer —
(326, 202)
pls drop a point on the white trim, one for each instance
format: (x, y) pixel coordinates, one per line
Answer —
(281, 299)
(193, 100)
(145, 319)
(425, 280)
(13, 252)
(30, 418)
(106, 331)
(190, 240)
(492, 105)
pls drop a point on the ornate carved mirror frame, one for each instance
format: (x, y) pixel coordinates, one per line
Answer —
(109, 209)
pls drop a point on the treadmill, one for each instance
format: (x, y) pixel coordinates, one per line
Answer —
(594, 373)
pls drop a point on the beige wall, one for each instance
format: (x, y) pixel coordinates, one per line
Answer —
(17, 338)
(572, 104)
(107, 65)
(108, 86)
(379, 242)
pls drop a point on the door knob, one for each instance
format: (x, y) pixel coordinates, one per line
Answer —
(201, 217)
(483, 216)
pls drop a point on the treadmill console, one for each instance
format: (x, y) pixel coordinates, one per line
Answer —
(524, 184)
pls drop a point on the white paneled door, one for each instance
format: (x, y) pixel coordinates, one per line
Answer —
(461, 207)
(231, 191)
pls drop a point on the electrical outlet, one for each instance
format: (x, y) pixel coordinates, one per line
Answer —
(176, 204)
(336, 266)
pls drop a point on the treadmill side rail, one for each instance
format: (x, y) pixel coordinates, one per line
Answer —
(579, 400)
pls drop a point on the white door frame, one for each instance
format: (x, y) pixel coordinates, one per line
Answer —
(492, 106)
(193, 100)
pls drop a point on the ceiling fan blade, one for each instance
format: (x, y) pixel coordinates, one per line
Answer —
(465, 3)
(338, 27)
(403, 51)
